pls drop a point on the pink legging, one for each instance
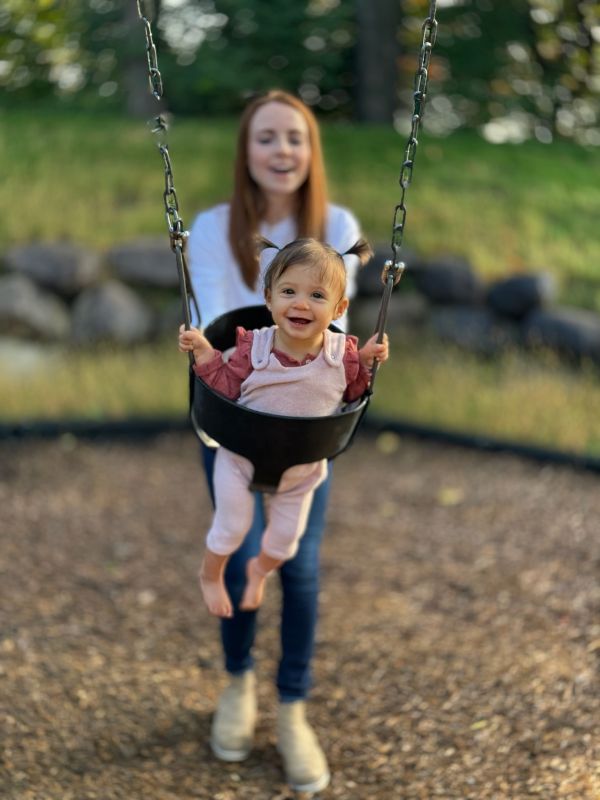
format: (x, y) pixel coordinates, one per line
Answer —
(287, 511)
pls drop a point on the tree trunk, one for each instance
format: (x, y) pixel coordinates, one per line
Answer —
(378, 50)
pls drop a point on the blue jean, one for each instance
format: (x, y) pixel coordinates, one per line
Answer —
(300, 597)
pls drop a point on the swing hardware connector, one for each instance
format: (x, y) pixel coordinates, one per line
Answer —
(395, 269)
(160, 124)
(178, 239)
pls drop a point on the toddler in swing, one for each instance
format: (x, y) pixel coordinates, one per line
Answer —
(296, 367)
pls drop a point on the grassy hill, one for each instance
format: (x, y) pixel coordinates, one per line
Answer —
(98, 180)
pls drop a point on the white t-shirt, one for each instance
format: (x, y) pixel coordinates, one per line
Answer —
(215, 275)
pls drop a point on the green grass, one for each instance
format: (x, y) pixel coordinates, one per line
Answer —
(505, 208)
(111, 383)
(97, 180)
(525, 398)
(521, 398)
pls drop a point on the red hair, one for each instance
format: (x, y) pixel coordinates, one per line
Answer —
(247, 205)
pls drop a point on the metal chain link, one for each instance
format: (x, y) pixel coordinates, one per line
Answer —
(395, 267)
(153, 72)
(177, 233)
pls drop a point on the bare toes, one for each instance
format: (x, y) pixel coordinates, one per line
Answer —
(222, 611)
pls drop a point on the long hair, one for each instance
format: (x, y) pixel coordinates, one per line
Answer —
(248, 207)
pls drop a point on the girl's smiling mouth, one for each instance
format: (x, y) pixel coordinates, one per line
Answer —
(298, 320)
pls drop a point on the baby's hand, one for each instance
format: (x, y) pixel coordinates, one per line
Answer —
(193, 340)
(189, 340)
(371, 351)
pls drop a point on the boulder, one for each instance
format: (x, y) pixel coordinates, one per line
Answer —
(64, 268)
(572, 332)
(448, 281)
(110, 312)
(516, 296)
(406, 310)
(145, 262)
(474, 329)
(28, 311)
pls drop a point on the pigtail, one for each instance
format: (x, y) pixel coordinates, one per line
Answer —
(262, 243)
(362, 250)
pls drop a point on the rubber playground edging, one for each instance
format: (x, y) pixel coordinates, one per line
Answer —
(141, 428)
(376, 424)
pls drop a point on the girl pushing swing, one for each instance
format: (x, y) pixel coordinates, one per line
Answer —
(296, 367)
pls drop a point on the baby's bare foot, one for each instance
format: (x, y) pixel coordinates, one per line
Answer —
(255, 586)
(215, 596)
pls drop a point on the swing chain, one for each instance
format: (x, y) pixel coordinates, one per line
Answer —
(174, 222)
(394, 268)
(429, 32)
(154, 75)
(178, 235)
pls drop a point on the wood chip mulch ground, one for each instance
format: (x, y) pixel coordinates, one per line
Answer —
(459, 641)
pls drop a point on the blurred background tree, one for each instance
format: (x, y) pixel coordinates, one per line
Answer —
(240, 47)
(516, 70)
(39, 50)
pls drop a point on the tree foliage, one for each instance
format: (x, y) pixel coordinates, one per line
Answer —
(239, 47)
(39, 48)
(515, 69)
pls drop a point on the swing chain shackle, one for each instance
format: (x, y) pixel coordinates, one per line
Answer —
(429, 33)
(393, 270)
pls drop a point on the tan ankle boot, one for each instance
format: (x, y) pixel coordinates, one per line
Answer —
(234, 720)
(303, 759)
